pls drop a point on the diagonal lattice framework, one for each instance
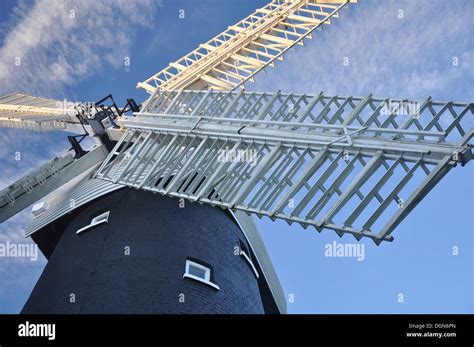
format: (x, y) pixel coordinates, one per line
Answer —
(355, 165)
(233, 57)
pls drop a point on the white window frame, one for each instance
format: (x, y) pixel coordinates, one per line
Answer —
(39, 208)
(247, 258)
(100, 219)
(207, 270)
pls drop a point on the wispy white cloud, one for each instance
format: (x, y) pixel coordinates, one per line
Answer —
(54, 44)
(387, 55)
(59, 43)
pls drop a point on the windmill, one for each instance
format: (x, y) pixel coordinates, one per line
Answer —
(354, 165)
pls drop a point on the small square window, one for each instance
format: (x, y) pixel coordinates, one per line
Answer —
(199, 272)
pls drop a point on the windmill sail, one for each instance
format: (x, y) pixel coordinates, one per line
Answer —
(232, 58)
(37, 114)
(319, 160)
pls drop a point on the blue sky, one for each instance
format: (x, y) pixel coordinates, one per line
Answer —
(81, 59)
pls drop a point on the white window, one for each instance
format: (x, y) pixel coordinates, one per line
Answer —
(100, 219)
(199, 273)
(39, 208)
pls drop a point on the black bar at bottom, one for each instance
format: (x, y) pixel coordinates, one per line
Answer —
(321, 330)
